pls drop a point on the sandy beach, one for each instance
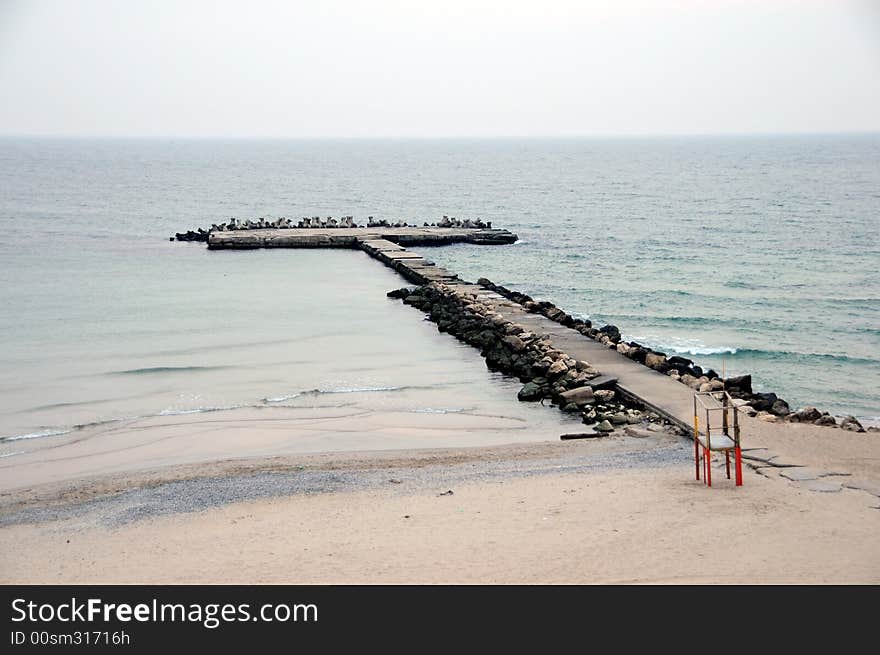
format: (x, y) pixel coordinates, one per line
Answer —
(619, 509)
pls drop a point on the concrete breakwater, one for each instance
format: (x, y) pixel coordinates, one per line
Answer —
(658, 384)
(354, 237)
(766, 405)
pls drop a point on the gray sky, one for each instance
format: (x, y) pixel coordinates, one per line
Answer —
(305, 68)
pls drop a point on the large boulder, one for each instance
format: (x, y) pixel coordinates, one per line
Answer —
(805, 415)
(681, 363)
(578, 396)
(638, 354)
(540, 367)
(763, 401)
(715, 383)
(514, 343)
(611, 331)
(851, 423)
(557, 369)
(741, 383)
(690, 380)
(654, 360)
(400, 293)
(780, 408)
(531, 392)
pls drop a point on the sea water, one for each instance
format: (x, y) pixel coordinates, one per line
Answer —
(752, 254)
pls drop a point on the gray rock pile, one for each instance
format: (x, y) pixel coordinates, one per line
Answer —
(468, 223)
(313, 222)
(191, 235)
(547, 373)
(283, 223)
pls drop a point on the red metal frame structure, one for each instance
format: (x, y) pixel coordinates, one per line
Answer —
(716, 401)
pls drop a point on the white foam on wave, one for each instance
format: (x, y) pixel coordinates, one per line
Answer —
(357, 389)
(190, 410)
(194, 410)
(438, 410)
(35, 435)
(281, 399)
(681, 346)
(315, 392)
(697, 350)
(18, 452)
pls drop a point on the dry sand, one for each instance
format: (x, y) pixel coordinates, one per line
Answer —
(614, 510)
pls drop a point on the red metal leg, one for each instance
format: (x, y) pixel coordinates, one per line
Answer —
(727, 461)
(739, 467)
(697, 457)
(708, 467)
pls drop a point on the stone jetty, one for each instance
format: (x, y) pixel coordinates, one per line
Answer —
(560, 359)
(480, 318)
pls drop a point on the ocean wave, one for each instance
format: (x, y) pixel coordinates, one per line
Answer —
(317, 392)
(696, 320)
(791, 354)
(698, 350)
(35, 435)
(353, 390)
(166, 369)
(41, 408)
(281, 399)
(194, 410)
(201, 410)
(684, 348)
(433, 410)
(17, 452)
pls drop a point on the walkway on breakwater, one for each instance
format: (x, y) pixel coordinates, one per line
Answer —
(658, 392)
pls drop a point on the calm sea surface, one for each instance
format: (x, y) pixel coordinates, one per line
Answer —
(758, 254)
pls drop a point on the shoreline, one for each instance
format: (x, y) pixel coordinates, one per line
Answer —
(621, 509)
(840, 454)
(542, 513)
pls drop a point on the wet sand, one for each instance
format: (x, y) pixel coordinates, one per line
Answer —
(621, 509)
(163, 441)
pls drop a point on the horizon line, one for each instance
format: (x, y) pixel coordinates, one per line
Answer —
(621, 135)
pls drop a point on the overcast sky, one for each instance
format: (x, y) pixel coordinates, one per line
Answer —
(305, 68)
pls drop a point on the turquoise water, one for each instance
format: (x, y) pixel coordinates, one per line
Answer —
(757, 254)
